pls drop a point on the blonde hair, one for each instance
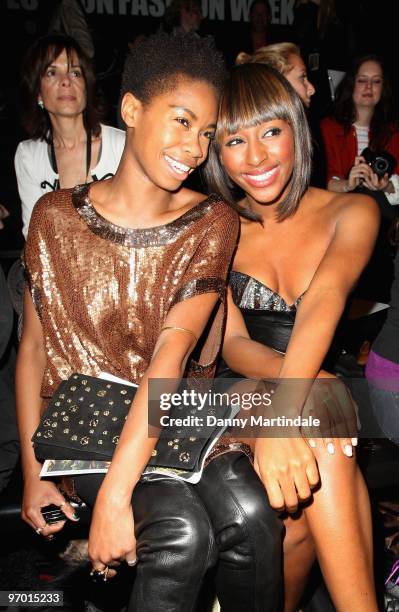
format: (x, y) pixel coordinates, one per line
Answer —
(277, 56)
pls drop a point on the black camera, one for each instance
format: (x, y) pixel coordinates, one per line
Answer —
(381, 162)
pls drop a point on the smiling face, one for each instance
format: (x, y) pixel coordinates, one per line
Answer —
(63, 87)
(170, 135)
(260, 160)
(368, 85)
(298, 78)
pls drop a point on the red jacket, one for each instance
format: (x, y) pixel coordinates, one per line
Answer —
(341, 149)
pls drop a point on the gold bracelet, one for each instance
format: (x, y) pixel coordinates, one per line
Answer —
(183, 329)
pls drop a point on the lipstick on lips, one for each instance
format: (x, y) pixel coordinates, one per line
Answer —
(261, 177)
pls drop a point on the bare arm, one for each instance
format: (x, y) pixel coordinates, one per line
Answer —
(114, 540)
(286, 465)
(30, 367)
(244, 355)
(322, 305)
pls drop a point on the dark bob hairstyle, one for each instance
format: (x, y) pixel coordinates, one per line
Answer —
(40, 55)
(253, 94)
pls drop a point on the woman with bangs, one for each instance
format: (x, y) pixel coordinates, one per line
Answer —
(288, 286)
(63, 115)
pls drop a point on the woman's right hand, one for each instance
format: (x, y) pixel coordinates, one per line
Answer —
(359, 172)
(112, 538)
(288, 470)
(37, 495)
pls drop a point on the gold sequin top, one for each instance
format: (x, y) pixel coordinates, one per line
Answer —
(102, 292)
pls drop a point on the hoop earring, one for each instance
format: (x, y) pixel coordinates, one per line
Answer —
(41, 104)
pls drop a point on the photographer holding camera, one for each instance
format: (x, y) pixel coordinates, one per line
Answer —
(361, 140)
(362, 153)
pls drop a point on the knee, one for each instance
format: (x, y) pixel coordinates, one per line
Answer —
(259, 525)
(335, 467)
(179, 532)
(251, 527)
(191, 534)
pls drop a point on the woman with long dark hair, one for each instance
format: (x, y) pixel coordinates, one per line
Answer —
(288, 288)
(362, 118)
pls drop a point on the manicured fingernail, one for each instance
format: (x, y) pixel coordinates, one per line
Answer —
(75, 517)
(354, 441)
(330, 448)
(348, 450)
(312, 443)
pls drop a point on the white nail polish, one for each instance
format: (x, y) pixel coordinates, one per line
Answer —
(348, 450)
(330, 448)
(354, 441)
(312, 443)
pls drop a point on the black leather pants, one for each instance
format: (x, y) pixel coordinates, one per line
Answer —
(176, 546)
(248, 535)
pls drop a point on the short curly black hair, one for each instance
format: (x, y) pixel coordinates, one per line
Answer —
(155, 64)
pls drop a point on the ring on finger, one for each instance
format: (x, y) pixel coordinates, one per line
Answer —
(100, 575)
(39, 530)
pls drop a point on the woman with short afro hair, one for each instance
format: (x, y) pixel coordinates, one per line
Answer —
(138, 264)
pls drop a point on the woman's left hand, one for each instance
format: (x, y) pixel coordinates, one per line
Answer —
(375, 183)
(331, 402)
(111, 536)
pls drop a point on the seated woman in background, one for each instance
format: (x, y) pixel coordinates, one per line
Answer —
(289, 284)
(362, 118)
(182, 16)
(61, 113)
(286, 58)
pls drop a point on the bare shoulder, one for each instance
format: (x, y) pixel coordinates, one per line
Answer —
(346, 207)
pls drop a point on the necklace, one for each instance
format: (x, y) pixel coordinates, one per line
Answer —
(53, 158)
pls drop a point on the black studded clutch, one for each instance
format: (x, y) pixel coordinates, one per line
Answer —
(85, 417)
